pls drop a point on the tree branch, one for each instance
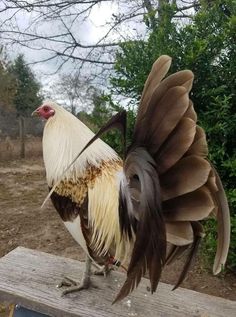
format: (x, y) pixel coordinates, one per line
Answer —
(67, 15)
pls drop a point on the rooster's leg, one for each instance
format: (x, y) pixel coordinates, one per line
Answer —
(105, 270)
(76, 287)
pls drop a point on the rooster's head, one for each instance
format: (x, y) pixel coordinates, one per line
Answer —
(46, 110)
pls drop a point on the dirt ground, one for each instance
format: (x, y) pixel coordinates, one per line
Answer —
(23, 223)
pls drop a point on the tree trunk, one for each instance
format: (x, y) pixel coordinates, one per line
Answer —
(154, 21)
(150, 9)
(161, 4)
(22, 136)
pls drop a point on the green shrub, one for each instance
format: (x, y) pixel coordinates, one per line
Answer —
(207, 46)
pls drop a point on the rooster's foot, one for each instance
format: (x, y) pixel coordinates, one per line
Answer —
(67, 282)
(74, 286)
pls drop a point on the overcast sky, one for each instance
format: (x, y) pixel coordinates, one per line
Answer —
(89, 31)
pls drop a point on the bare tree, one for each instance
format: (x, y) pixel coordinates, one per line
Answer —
(75, 91)
(52, 27)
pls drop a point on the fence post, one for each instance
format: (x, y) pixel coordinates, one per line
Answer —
(22, 136)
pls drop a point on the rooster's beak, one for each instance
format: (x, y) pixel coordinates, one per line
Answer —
(35, 113)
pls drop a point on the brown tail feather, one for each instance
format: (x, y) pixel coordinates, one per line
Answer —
(158, 72)
(193, 206)
(149, 250)
(198, 234)
(223, 227)
(176, 145)
(179, 233)
(167, 128)
(176, 80)
(188, 174)
(199, 146)
(190, 112)
(175, 252)
(165, 119)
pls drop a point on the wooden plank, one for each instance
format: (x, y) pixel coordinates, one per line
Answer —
(29, 277)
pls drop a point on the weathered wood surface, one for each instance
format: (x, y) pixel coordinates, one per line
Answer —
(29, 277)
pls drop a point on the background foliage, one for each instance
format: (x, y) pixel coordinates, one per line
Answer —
(27, 96)
(207, 46)
(19, 88)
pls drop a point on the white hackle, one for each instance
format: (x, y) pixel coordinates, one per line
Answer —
(63, 139)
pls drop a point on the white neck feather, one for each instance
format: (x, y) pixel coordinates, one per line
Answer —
(64, 137)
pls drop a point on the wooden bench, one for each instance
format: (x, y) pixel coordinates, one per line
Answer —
(29, 277)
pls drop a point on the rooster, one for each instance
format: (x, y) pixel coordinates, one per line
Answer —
(126, 212)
